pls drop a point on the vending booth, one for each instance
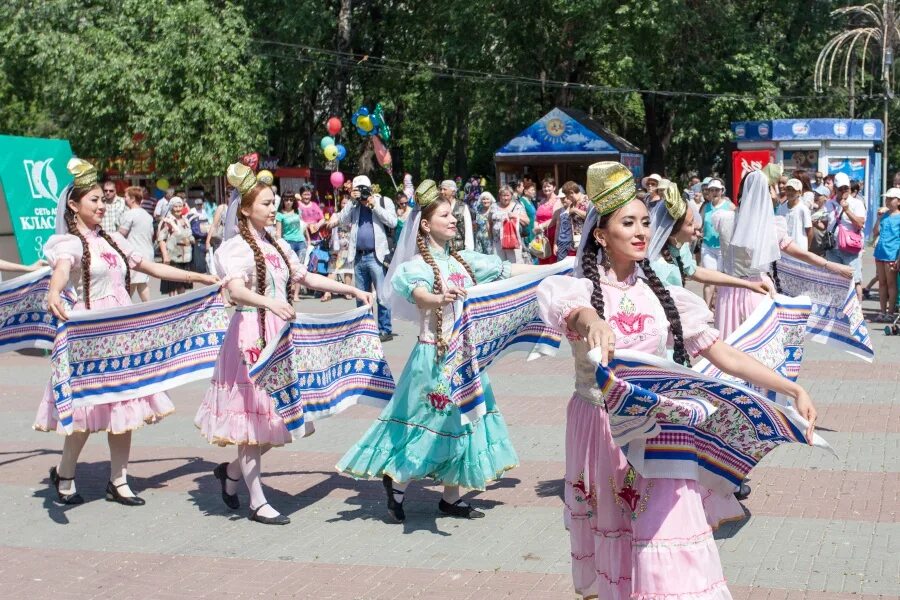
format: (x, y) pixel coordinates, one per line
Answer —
(563, 144)
(851, 146)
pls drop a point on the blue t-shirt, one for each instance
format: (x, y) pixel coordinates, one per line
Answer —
(888, 238)
(365, 233)
(710, 236)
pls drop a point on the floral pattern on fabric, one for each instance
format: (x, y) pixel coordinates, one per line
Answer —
(585, 494)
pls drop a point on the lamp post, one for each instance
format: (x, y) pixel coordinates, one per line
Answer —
(888, 95)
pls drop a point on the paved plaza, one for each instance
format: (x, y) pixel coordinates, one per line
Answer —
(818, 527)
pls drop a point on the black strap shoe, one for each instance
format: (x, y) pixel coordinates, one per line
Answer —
(64, 498)
(744, 492)
(395, 509)
(278, 520)
(230, 500)
(113, 495)
(459, 509)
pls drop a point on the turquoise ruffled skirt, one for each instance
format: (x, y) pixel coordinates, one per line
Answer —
(419, 434)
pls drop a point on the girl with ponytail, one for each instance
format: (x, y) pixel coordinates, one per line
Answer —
(420, 434)
(260, 275)
(95, 266)
(616, 301)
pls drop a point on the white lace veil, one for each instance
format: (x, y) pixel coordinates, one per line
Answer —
(61, 205)
(231, 215)
(754, 223)
(405, 251)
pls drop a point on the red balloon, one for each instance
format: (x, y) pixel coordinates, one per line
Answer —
(334, 125)
(337, 179)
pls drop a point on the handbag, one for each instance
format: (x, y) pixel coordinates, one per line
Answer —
(540, 247)
(509, 236)
(848, 241)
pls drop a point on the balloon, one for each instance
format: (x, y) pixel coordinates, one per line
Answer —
(342, 152)
(265, 177)
(162, 184)
(381, 126)
(337, 179)
(365, 123)
(330, 152)
(334, 125)
(326, 141)
(382, 154)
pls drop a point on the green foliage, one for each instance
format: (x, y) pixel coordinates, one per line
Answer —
(200, 82)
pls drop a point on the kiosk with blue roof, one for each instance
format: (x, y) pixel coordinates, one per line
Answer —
(851, 146)
(563, 143)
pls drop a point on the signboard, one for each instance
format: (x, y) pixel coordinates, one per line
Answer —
(634, 162)
(557, 132)
(854, 168)
(743, 162)
(33, 175)
(806, 160)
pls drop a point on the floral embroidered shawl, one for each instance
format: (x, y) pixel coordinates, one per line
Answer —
(25, 321)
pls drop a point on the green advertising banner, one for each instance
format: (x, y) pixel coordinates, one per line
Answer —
(33, 175)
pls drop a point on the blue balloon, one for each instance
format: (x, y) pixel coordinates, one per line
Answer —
(342, 152)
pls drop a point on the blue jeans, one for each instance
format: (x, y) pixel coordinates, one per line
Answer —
(846, 258)
(299, 249)
(368, 274)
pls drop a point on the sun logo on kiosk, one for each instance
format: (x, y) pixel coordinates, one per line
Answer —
(41, 179)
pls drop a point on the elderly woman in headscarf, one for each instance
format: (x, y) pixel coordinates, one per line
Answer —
(484, 223)
(752, 240)
(674, 223)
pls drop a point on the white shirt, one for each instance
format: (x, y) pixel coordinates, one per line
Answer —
(799, 219)
(854, 205)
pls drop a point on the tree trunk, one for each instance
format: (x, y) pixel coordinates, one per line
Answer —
(339, 96)
(659, 120)
(461, 155)
(440, 157)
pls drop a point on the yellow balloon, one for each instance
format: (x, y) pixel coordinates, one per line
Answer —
(365, 123)
(162, 184)
(265, 177)
(330, 152)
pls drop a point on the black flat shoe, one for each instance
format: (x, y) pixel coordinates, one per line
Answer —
(395, 509)
(113, 495)
(64, 498)
(744, 492)
(279, 520)
(230, 500)
(386, 337)
(459, 509)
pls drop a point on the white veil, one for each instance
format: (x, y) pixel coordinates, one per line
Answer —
(754, 223)
(234, 203)
(406, 249)
(662, 223)
(61, 205)
(587, 231)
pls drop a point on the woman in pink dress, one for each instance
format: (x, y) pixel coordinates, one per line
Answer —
(95, 267)
(664, 546)
(259, 274)
(543, 216)
(752, 239)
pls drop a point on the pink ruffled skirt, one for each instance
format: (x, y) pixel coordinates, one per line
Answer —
(114, 417)
(667, 551)
(234, 410)
(734, 305)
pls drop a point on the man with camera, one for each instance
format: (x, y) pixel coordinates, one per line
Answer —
(369, 216)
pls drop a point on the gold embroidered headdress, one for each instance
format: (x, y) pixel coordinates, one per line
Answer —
(241, 177)
(675, 204)
(84, 173)
(426, 193)
(610, 186)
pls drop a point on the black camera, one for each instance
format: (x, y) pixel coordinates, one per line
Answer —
(364, 192)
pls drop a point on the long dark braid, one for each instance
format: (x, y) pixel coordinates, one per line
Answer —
(592, 272)
(437, 288)
(69, 216)
(260, 261)
(775, 276)
(289, 286)
(665, 298)
(115, 246)
(674, 260)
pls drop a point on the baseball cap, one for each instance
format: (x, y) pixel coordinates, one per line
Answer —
(361, 180)
(841, 180)
(705, 182)
(822, 191)
(892, 193)
(794, 184)
(716, 184)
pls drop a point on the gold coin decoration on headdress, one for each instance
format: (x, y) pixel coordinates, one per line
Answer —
(265, 177)
(85, 173)
(610, 186)
(675, 204)
(426, 193)
(241, 177)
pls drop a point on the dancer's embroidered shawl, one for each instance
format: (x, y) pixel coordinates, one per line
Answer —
(102, 356)
(321, 364)
(25, 321)
(496, 318)
(676, 423)
(836, 317)
(773, 334)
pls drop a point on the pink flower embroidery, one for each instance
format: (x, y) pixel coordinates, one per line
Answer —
(630, 324)
(274, 260)
(111, 259)
(252, 355)
(438, 400)
(630, 496)
(457, 280)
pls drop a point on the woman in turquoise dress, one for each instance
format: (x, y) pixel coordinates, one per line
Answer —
(420, 433)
